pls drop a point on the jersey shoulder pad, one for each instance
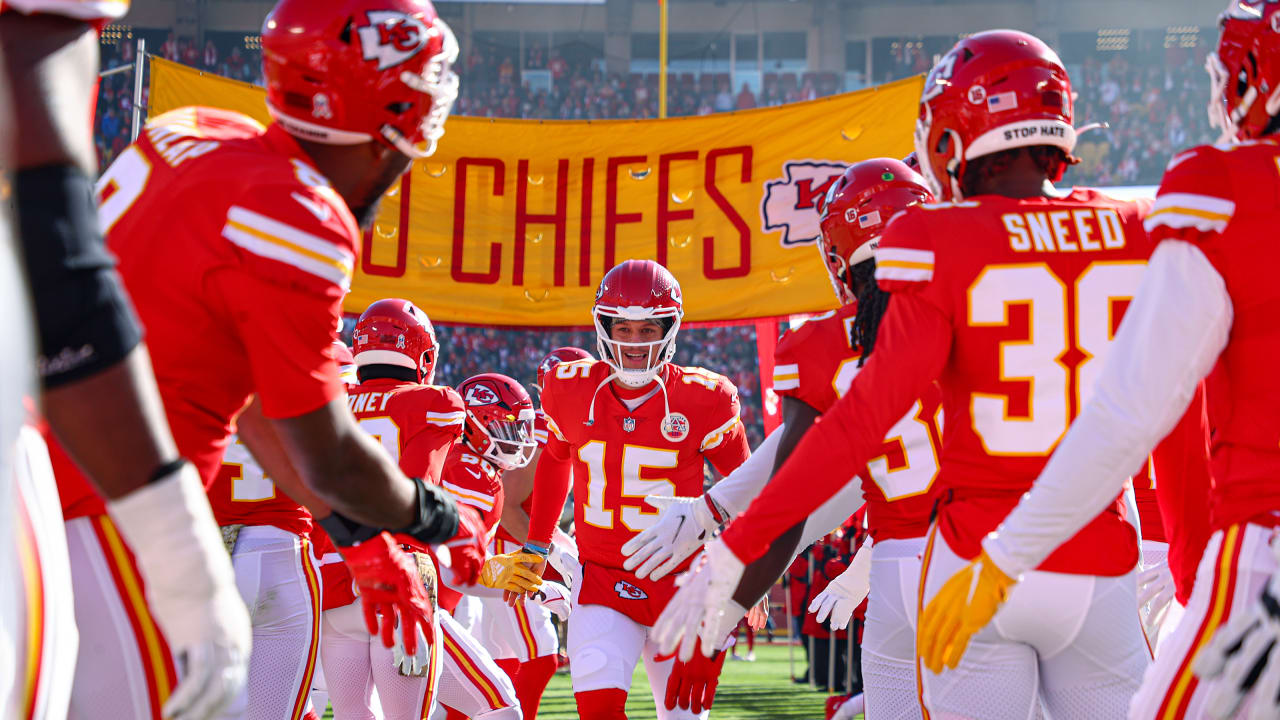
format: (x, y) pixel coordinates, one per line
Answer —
(693, 376)
(905, 256)
(291, 227)
(1195, 196)
(807, 349)
(444, 407)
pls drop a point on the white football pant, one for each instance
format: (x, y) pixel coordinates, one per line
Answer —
(1074, 641)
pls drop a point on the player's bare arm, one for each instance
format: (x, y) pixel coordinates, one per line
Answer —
(797, 417)
(259, 435)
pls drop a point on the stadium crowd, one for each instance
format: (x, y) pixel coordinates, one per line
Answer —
(1149, 110)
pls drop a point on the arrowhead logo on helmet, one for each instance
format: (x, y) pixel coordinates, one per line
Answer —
(481, 395)
(392, 37)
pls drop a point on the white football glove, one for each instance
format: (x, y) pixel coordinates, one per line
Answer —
(564, 558)
(191, 590)
(1242, 657)
(417, 664)
(703, 606)
(846, 592)
(1155, 595)
(683, 525)
(552, 596)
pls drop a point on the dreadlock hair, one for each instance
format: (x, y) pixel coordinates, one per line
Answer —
(1050, 159)
(872, 304)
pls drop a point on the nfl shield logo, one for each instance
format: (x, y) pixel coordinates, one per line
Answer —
(629, 424)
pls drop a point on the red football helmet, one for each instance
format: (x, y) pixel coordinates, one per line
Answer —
(396, 332)
(994, 91)
(499, 425)
(857, 207)
(346, 362)
(557, 356)
(1245, 71)
(638, 290)
(350, 71)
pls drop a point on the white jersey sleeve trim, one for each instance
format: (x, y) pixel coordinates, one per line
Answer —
(715, 437)
(284, 243)
(1170, 338)
(468, 496)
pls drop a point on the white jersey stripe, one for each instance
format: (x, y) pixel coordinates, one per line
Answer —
(907, 274)
(715, 437)
(289, 256)
(791, 384)
(1195, 201)
(275, 228)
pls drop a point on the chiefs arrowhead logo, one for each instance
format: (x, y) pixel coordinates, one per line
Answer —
(481, 395)
(627, 591)
(392, 37)
(790, 204)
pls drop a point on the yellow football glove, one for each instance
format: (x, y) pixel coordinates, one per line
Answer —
(964, 605)
(516, 572)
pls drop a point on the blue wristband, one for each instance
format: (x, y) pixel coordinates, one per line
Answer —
(537, 549)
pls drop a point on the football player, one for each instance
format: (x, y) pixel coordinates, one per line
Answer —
(268, 535)
(497, 437)
(813, 365)
(1205, 308)
(630, 425)
(522, 638)
(416, 424)
(1007, 296)
(99, 393)
(237, 244)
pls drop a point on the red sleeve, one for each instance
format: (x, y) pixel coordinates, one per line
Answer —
(1182, 490)
(790, 371)
(550, 489)
(287, 334)
(437, 415)
(424, 454)
(471, 483)
(726, 446)
(911, 350)
(1194, 201)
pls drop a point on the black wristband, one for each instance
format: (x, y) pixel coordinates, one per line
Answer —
(344, 531)
(437, 518)
(163, 471)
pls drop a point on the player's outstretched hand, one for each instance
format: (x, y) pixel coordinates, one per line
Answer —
(846, 592)
(516, 573)
(564, 558)
(554, 597)
(962, 607)
(692, 684)
(703, 606)
(415, 664)
(191, 590)
(1155, 594)
(391, 591)
(683, 525)
(1243, 657)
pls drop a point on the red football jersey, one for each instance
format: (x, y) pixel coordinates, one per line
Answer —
(625, 455)
(1011, 306)
(474, 481)
(236, 253)
(815, 363)
(417, 426)
(243, 494)
(1223, 200)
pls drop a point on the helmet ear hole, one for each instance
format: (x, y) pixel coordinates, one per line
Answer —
(397, 108)
(345, 35)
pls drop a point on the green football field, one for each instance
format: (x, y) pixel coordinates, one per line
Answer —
(760, 689)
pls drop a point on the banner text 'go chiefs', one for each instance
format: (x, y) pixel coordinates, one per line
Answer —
(514, 222)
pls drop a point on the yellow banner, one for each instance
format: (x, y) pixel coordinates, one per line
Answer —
(514, 222)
